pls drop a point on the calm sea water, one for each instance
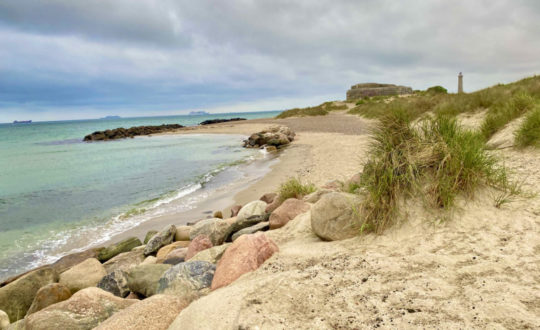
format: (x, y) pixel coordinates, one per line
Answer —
(55, 188)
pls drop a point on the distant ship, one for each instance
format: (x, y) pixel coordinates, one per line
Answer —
(198, 113)
(22, 122)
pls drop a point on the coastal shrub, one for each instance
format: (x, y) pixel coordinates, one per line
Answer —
(502, 114)
(320, 110)
(294, 188)
(528, 133)
(438, 162)
(437, 90)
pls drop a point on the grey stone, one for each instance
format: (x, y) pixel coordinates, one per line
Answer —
(115, 283)
(261, 226)
(240, 224)
(188, 280)
(115, 249)
(214, 228)
(212, 254)
(86, 274)
(144, 279)
(334, 216)
(125, 261)
(164, 237)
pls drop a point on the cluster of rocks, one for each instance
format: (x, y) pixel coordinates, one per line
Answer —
(147, 284)
(272, 138)
(360, 91)
(123, 133)
(217, 121)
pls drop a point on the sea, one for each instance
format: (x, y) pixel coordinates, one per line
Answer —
(59, 194)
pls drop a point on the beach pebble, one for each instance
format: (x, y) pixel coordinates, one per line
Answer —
(84, 310)
(164, 251)
(48, 295)
(125, 261)
(287, 211)
(235, 209)
(198, 244)
(244, 255)
(115, 283)
(251, 209)
(149, 235)
(182, 233)
(218, 214)
(188, 280)
(115, 249)
(164, 237)
(261, 226)
(214, 228)
(334, 218)
(143, 279)
(156, 313)
(211, 255)
(17, 296)
(268, 198)
(4, 320)
(86, 274)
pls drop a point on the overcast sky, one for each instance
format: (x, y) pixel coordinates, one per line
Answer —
(67, 59)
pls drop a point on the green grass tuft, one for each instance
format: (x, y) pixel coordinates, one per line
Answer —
(438, 162)
(528, 133)
(294, 188)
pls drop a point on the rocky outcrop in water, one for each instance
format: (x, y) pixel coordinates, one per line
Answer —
(123, 133)
(360, 91)
(217, 121)
(276, 136)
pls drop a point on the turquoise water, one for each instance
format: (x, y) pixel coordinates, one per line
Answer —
(53, 186)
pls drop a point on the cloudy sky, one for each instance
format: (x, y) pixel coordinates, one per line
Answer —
(67, 59)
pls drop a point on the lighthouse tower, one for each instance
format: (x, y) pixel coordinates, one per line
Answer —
(460, 83)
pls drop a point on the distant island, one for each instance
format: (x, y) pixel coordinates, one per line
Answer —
(198, 113)
(111, 117)
(22, 121)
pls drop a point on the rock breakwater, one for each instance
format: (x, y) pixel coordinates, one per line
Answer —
(123, 133)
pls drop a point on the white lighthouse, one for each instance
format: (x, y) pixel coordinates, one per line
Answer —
(460, 83)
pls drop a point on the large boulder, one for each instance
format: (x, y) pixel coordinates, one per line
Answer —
(164, 251)
(214, 228)
(235, 209)
(212, 254)
(315, 196)
(4, 320)
(164, 237)
(198, 244)
(115, 283)
(125, 261)
(143, 279)
(274, 136)
(240, 224)
(155, 313)
(86, 274)
(17, 296)
(66, 262)
(188, 280)
(274, 205)
(176, 256)
(182, 233)
(334, 216)
(149, 235)
(244, 255)
(115, 249)
(287, 211)
(261, 226)
(84, 310)
(251, 209)
(48, 295)
(268, 198)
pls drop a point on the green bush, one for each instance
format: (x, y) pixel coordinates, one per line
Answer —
(294, 188)
(528, 133)
(502, 114)
(437, 90)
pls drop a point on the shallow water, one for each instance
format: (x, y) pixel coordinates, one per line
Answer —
(57, 191)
